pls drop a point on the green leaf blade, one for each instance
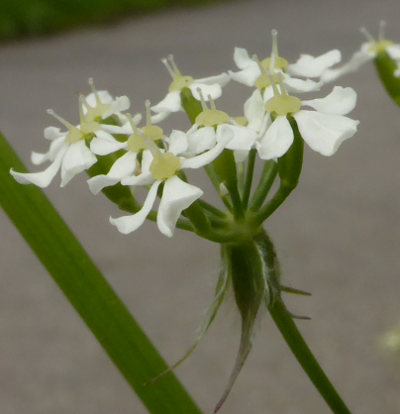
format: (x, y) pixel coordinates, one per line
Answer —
(89, 292)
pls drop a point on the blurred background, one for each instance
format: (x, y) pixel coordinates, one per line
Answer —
(338, 235)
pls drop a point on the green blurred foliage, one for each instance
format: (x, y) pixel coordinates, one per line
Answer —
(33, 17)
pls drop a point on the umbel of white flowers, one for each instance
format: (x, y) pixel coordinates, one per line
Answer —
(120, 154)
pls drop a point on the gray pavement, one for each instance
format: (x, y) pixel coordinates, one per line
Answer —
(338, 236)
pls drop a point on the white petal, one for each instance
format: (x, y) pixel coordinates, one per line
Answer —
(310, 66)
(178, 142)
(242, 58)
(295, 85)
(43, 178)
(77, 158)
(246, 76)
(324, 132)
(214, 91)
(200, 140)
(355, 62)
(160, 116)
(221, 79)
(254, 111)
(340, 101)
(145, 177)
(277, 140)
(120, 104)
(394, 51)
(205, 158)
(127, 224)
(51, 133)
(38, 158)
(124, 166)
(97, 183)
(104, 144)
(171, 103)
(243, 138)
(177, 195)
(104, 96)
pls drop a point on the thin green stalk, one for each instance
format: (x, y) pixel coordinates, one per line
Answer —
(249, 178)
(209, 207)
(88, 291)
(268, 176)
(279, 197)
(216, 183)
(304, 356)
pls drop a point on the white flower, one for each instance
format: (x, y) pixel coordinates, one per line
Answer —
(212, 125)
(368, 51)
(68, 150)
(323, 129)
(104, 144)
(163, 166)
(252, 71)
(211, 86)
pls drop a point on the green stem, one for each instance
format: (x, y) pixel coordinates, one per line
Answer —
(249, 178)
(209, 207)
(268, 176)
(304, 356)
(216, 183)
(279, 197)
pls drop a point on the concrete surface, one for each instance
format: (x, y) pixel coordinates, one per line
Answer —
(338, 235)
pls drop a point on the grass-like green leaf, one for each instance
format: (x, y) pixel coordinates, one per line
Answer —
(88, 291)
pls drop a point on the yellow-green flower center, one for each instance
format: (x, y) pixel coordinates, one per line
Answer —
(240, 120)
(136, 143)
(153, 132)
(74, 135)
(280, 63)
(96, 113)
(179, 82)
(211, 117)
(263, 81)
(165, 165)
(283, 104)
(381, 46)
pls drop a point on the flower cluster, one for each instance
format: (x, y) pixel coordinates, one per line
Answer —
(146, 156)
(121, 154)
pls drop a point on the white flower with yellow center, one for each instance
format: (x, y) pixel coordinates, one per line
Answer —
(323, 128)
(211, 86)
(104, 144)
(368, 51)
(68, 150)
(252, 73)
(213, 125)
(163, 166)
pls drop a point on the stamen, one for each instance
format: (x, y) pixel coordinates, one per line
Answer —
(173, 65)
(82, 102)
(148, 113)
(169, 69)
(96, 94)
(267, 73)
(367, 34)
(274, 34)
(212, 103)
(382, 28)
(132, 123)
(62, 120)
(202, 100)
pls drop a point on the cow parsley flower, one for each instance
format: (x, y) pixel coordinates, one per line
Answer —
(251, 72)
(323, 128)
(211, 86)
(69, 149)
(104, 144)
(163, 167)
(368, 51)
